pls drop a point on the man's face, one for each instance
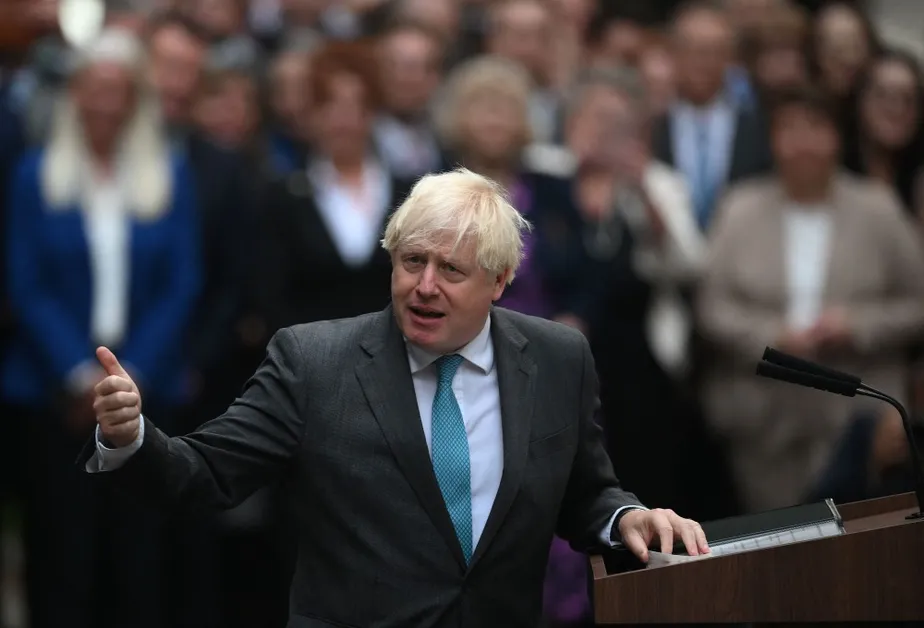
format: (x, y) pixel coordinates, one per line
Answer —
(703, 51)
(442, 297)
(805, 145)
(289, 92)
(176, 68)
(410, 71)
(523, 35)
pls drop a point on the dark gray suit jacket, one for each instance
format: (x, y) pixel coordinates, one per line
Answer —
(332, 413)
(751, 154)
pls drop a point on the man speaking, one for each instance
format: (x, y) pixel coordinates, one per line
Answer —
(430, 450)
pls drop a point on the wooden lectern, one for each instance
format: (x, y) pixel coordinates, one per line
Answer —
(874, 572)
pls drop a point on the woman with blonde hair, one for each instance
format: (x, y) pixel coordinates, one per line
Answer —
(101, 250)
(483, 121)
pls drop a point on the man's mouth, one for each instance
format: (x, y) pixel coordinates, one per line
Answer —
(425, 312)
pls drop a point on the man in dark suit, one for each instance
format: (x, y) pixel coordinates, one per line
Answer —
(430, 450)
(709, 135)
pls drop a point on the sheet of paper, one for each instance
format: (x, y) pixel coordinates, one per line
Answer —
(660, 559)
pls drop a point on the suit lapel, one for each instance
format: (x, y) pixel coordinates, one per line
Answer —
(389, 389)
(516, 379)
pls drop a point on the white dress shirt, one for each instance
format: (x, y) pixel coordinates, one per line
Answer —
(353, 217)
(807, 233)
(477, 392)
(717, 120)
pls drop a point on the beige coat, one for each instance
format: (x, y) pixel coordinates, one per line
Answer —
(781, 436)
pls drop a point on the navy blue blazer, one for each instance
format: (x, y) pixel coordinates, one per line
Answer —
(50, 290)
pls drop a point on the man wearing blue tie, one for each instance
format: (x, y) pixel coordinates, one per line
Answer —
(430, 450)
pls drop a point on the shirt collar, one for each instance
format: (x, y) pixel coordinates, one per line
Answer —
(479, 352)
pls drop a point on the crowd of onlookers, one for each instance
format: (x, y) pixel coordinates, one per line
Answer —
(703, 180)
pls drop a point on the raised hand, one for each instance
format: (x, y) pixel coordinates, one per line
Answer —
(118, 402)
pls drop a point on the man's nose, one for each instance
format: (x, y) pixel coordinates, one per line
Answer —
(427, 286)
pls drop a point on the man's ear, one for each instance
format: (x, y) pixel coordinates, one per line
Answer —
(500, 282)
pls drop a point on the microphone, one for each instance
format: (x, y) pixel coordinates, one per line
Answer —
(790, 369)
(792, 362)
(809, 380)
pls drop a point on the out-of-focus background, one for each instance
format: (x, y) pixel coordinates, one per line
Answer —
(704, 179)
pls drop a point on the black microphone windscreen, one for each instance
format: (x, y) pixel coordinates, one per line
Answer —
(792, 362)
(809, 380)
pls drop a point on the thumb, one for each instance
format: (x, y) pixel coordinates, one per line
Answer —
(109, 362)
(636, 544)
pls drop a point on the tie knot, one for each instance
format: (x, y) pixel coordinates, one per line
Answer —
(447, 366)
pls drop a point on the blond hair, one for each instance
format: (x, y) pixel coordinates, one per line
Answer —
(466, 206)
(485, 75)
(143, 160)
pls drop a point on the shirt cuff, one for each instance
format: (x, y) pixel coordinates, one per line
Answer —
(607, 535)
(108, 458)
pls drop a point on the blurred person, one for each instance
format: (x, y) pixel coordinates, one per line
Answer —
(177, 57)
(283, 24)
(228, 109)
(101, 247)
(618, 36)
(645, 253)
(843, 41)
(410, 65)
(656, 65)
(443, 17)
(289, 98)
(871, 460)
(222, 341)
(886, 138)
(707, 135)
(483, 121)
(817, 263)
(777, 54)
(427, 482)
(325, 219)
(520, 30)
(219, 19)
(747, 18)
(226, 192)
(572, 19)
(17, 28)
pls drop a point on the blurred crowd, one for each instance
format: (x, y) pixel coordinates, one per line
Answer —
(703, 180)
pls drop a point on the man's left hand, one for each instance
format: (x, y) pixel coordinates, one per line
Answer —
(638, 528)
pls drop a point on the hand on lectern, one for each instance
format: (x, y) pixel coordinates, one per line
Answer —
(638, 528)
(118, 402)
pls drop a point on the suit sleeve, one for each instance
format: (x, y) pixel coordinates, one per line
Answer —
(227, 459)
(593, 494)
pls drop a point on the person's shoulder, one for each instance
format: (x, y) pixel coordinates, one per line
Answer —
(866, 193)
(326, 335)
(548, 335)
(749, 195)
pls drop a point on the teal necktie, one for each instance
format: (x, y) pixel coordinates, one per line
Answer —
(450, 453)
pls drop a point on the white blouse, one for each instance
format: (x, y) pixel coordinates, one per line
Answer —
(108, 238)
